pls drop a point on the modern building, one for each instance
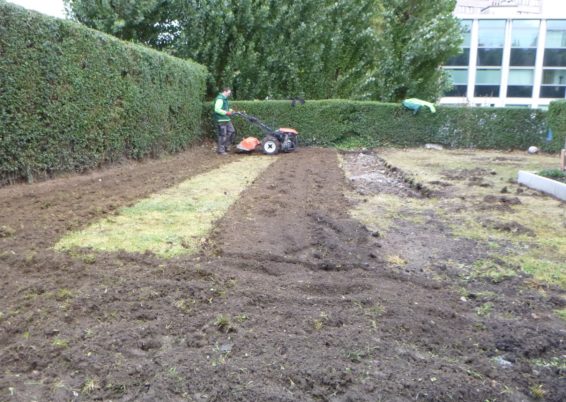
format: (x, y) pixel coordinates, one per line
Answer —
(514, 53)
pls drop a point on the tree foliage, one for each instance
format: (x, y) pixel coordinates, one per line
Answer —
(144, 21)
(371, 49)
(415, 39)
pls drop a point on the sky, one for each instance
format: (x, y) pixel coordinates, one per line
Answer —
(54, 8)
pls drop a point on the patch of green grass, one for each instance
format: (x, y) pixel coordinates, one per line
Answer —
(175, 221)
(184, 305)
(499, 167)
(89, 386)
(485, 295)
(60, 343)
(543, 270)
(396, 260)
(356, 356)
(537, 391)
(552, 173)
(318, 323)
(88, 258)
(485, 309)
(365, 211)
(223, 323)
(554, 363)
(31, 295)
(475, 374)
(373, 313)
(539, 249)
(172, 372)
(379, 212)
(561, 313)
(241, 318)
(6, 231)
(492, 271)
(63, 294)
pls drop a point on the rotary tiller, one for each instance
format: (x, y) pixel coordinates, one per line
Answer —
(274, 141)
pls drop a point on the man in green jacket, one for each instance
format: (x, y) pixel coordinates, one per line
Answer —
(222, 113)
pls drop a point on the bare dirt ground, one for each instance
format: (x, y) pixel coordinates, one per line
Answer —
(290, 300)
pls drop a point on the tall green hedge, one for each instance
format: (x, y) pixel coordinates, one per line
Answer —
(72, 98)
(370, 124)
(557, 123)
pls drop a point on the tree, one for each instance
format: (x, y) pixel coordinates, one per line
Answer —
(276, 49)
(151, 22)
(415, 39)
(363, 49)
(263, 48)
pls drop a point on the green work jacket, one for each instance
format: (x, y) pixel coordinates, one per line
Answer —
(221, 107)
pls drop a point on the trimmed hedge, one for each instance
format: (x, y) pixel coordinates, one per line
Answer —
(557, 123)
(347, 123)
(72, 98)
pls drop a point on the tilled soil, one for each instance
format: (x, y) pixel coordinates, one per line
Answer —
(290, 300)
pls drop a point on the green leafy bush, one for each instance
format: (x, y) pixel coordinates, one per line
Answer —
(555, 174)
(557, 123)
(345, 123)
(72, 98)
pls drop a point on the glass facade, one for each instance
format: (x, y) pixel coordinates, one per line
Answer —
(556, 34)
(520, 83)
(463, 59)
(491, 33)
(488, 82)
(509, 61)
(524, 42)
(553, 83)
(524, 33)
(491, 40)
(457, 66)
(459, 78)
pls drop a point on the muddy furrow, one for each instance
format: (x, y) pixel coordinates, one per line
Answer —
(335, 323)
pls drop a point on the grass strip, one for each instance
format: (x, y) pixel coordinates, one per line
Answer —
(172, 222)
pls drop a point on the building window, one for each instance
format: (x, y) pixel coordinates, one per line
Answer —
(555, 58)
(490, 57)
(491, 41)
(520, 83)
(487, 82)
(463, 59)
(555, 48)
(459, 79)
(491, 33)
(553, 83)
(524, 33)
(523, 57)
(524, 40)
(556, 33)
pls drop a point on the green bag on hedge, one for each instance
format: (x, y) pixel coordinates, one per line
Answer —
(415, 105)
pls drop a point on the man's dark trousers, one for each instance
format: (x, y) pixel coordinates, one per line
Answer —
(226, 134)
